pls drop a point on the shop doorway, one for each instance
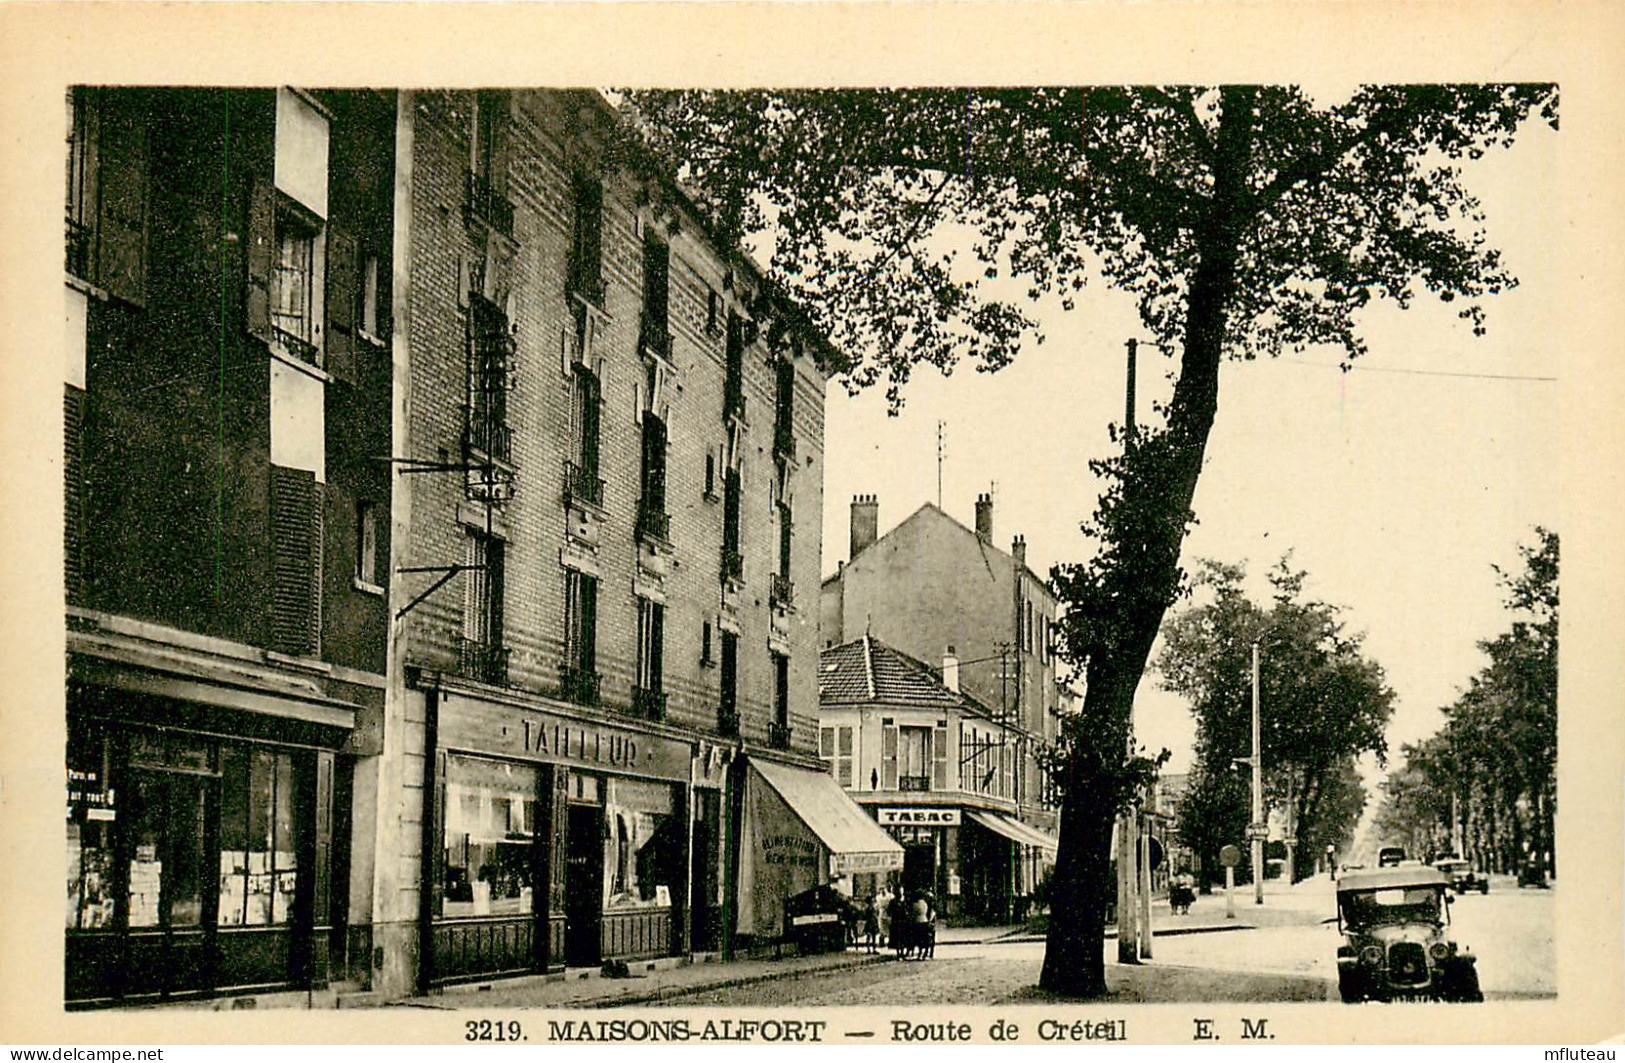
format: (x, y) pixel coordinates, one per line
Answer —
(168, 886)
(919, 868)
(706, 861)
(583, 886)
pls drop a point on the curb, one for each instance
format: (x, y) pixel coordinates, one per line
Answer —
(673, 992)
(1111, 935)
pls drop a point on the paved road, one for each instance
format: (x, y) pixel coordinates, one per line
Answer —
(1510, 930)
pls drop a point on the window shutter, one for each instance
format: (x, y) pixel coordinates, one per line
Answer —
(343, 275)
(888, 756)
(589, 623)
(589, 423)
(296, 570)
(495, 595)
(939, 757)
(657, 638)
(121, 264)
(261, 256)
(73, 405)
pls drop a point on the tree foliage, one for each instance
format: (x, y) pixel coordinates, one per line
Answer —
(1322, 704)
(920, 226)
(1488, 779)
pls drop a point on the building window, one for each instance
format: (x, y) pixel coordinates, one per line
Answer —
(888, 754)
(81, 190)
(784, 439)
(656, 332)
(484, 656)
(369, 297)
(653, 522)
(583, 482)
(585, 274)
(366, 543)
(733, 562)
(490, 837)
(835, 749)
(728, 700)
(914, 755)
(706, 660)
(106, 191)
(490, 378)
(711, 474)
(578, 672)
(296, 555)
(259, 838)
(488, 164)
(779, 732)
(293, 287)
(645, 846)
(782, 591)
(711, 311)
(733, 388)
(648, 695)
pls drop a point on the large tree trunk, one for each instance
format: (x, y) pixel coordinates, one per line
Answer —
(1160, 491)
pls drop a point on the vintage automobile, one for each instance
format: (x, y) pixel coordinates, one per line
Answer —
(1390, 855)
(1396, 945)
(1463, 879)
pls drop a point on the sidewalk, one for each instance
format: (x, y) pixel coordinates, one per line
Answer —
(588, 989)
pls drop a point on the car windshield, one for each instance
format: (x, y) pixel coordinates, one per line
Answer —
(1415, 904)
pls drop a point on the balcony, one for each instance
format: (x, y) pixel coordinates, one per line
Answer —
(582, 486)
(648, 704)
(778, 735)
(781, 591)
(296, 346)
(485, 434)
(579, 685)
(586, 284)
(79, 238)
(733, 565)
(489, 205)
(483, 663)
(914, 783)
(733, 399)
(784, 443)
(653, 522)
(654, 338)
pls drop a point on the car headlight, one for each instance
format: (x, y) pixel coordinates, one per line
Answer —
(1371, 955)
(1439, 950)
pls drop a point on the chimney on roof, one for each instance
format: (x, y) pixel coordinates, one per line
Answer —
(865, 523)
(984, 517)
(950, 670)
(1018, 550)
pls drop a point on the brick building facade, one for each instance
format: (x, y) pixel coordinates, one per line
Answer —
(444, 505)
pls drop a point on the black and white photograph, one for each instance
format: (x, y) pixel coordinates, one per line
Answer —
(701, 552)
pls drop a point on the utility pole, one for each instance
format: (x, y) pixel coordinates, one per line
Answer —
(941, 453)
(1291, 827)
(1128, 403)
(1128, 825)
(1258, 793)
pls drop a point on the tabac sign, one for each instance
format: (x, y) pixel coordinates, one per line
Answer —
(919, 817)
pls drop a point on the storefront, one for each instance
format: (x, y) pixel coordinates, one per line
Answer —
(801, 830)
(977, 863)
(200, 837)
(557, 842)
(1008, 858)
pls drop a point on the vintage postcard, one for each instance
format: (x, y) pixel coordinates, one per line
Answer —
(884, 524)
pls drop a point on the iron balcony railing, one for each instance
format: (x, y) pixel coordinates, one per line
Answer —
(781, 591)
(489, 205)
(778, 735)
(79, 235)
(487, 435)
(648, 704)
(483, 662)
(784, 443)
(579, 685)
(733, 398)
(653, 521)
(728, 722)
(733, 564)
(914, 782)
(581, 485)
(655, 337)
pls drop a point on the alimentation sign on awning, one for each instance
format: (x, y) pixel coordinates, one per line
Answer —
(800, 830)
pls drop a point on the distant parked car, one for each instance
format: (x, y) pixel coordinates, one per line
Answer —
(1532, 874)
(1390, 855)
(1395, 924)
(1463, 879)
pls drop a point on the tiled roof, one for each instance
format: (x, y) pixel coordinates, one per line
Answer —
(869, 671)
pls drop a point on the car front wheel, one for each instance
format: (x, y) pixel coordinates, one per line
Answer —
(1461, 985)
(1351, 987)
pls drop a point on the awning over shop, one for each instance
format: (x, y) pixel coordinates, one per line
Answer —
(855, 842)
(1014, 829)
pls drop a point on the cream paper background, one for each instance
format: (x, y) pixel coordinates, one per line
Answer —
(45, 47)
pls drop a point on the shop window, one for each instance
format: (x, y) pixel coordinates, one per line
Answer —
(645, 845)
(260, 843)
(91, 819)
(835, 750)
(578, 670)
(490, 837)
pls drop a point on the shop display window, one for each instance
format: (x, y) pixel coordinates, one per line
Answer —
(490, 809)
(91, 814)
(259, 836)
(644, 850)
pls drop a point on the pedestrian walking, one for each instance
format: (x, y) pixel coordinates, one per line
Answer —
(925, 927)
(897, 926)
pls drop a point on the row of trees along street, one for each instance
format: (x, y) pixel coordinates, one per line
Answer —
(1323, 705)
(928, 226)
(1485, 785)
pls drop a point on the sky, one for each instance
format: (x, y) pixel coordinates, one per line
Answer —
(1395, 490)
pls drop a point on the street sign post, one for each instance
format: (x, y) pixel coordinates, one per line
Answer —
(1258, 832)
(1229, 856)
